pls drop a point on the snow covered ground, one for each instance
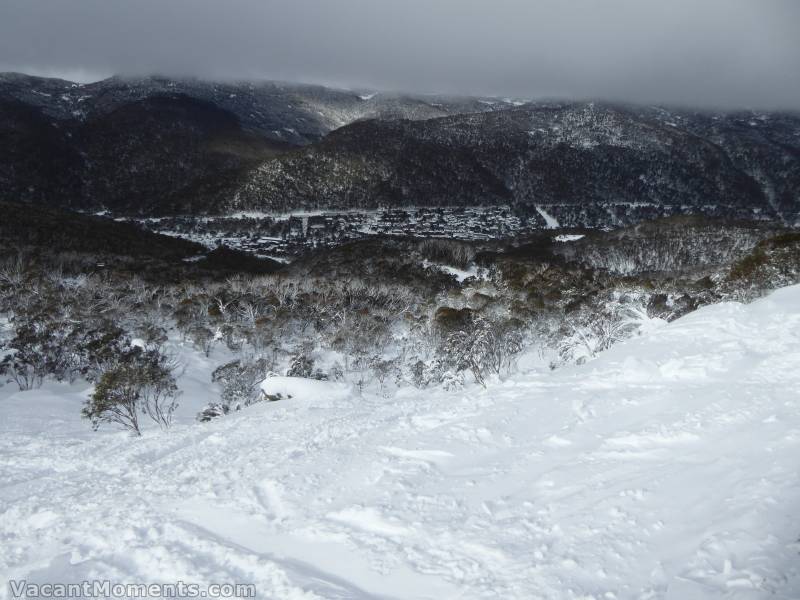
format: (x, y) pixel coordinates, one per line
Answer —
(669, 467)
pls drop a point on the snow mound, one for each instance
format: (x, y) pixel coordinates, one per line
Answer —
(299, 388)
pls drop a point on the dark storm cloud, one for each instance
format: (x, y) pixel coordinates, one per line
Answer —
(720, 52)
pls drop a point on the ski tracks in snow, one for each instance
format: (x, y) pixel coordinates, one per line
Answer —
(665, 469)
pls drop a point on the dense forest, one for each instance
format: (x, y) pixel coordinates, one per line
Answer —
(88, 297)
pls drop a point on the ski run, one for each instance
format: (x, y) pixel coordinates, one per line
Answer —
(668, 468)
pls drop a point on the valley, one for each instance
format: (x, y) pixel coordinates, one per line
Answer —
(347, 344)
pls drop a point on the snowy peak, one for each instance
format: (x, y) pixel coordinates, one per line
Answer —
(283, 112)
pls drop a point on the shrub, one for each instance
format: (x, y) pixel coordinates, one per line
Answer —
(239, 380)
(142, 383)
(485, 347)
(447, 320)
(450, 252)
(203, 338)
(37, 350)
(747, 267)
(302, 366)
(98, 347)
(211, 412)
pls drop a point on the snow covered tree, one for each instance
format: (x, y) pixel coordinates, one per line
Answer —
(239, 380)
(484, 347)
(37, 350)
(141, 383)
(301, 366)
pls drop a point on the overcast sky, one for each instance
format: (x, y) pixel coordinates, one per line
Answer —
(702, 52)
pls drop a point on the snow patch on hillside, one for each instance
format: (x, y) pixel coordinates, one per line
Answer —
(461, 275)
(550, 220)
(299, 388)
(568, 237)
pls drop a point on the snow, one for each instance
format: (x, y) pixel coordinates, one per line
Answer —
(568, 237)
(666, 468)
(551, 221)
(299, 388)
(461, 275)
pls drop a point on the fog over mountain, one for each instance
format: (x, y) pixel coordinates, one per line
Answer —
(727, 53)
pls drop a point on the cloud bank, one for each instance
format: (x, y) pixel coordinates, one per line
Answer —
(728, 53)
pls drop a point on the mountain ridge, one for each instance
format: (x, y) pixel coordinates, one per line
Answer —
(583, 156)
(155, 145)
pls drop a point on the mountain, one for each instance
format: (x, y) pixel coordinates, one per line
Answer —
(295, 114)
(588, 164)
(159, 146)
(156, 144)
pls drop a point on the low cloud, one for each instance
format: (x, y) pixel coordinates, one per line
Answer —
(727, 53)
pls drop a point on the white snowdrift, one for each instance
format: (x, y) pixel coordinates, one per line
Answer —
(299, 388)
(667, 468)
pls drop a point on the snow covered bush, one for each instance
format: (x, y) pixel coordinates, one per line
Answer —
(598, 325)
(774, 263)
(239, 380)
(151, 334)
(13, 272)
(38, 349)
(370, 313)
(100, 345)
(142, 382)
(26, 370)
(212, 411)
(484, 347)
(301, 366)
(385, 371)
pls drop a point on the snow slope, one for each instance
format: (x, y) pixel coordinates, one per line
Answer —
(666, 468)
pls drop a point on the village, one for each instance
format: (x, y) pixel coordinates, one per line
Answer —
(285, 236)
